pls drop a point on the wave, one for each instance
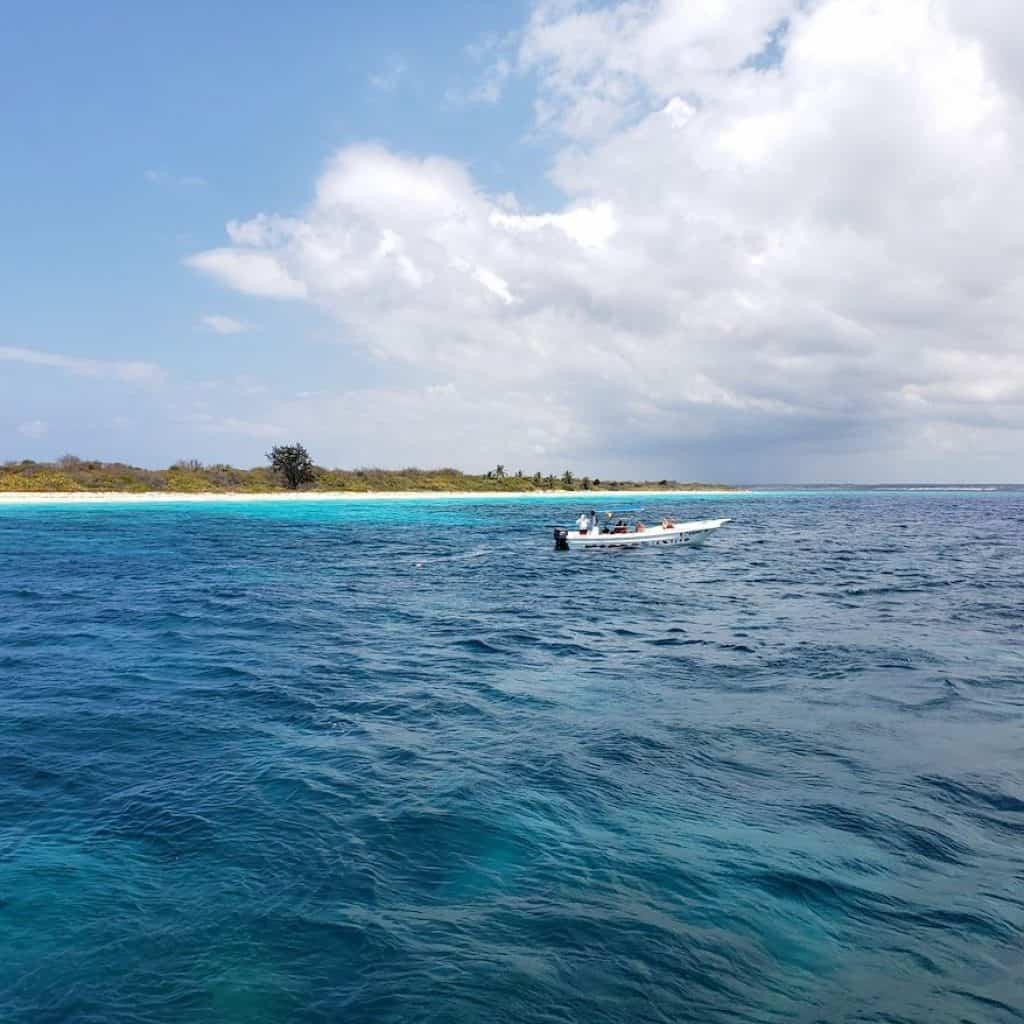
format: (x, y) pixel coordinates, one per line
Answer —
(266, 765)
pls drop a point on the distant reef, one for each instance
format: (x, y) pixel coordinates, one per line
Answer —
(71, 474)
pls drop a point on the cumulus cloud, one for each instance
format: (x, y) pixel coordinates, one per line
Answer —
(255, 273)
(789, 245)
(129, 371)
(602, 65)
(220, 324)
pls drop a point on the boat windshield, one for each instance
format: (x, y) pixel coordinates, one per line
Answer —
(620, 520)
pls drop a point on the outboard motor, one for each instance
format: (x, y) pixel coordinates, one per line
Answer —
(561, 539)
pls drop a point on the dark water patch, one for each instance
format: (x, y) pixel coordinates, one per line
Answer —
(476, 646)
(889, 833)
(987, 1005)
(972, 795)
(628, 748)
(829, 895)
(172, 832)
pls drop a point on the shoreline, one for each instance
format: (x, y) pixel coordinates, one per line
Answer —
(168, 497)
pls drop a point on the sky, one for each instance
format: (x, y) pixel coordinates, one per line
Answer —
(744, 241)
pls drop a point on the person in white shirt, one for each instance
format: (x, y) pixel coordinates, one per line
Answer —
(583, 522)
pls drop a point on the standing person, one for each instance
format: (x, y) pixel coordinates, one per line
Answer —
(583, 523)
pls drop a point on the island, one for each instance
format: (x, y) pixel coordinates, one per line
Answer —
(292, 473)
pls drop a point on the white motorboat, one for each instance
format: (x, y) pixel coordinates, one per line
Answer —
(623, 528)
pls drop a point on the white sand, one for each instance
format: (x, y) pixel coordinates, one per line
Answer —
(146, 497)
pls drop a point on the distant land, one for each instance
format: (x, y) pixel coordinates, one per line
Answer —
(74, 475)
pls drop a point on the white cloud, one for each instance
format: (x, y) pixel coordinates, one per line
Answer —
(592, 227)
(128, 371)
(496, 56)
(490, 87)
(487, 89)
(220, 324)
(32, 428)
(493, 283)
(805, 265)
(602, 65)
(255, 273)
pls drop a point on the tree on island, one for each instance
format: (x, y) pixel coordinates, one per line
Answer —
(292, 461)
(567, 478)
(499, 471)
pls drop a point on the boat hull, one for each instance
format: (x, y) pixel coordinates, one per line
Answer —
(691, 534)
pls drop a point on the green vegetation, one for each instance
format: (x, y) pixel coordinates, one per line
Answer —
(293, 464)
(191, 476)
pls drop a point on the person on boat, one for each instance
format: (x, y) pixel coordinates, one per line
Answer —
(583, 523)
(620, 526)
(668, 522)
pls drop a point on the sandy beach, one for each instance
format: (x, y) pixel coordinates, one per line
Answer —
(154, 497)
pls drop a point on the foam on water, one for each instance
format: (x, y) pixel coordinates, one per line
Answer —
(392, 762)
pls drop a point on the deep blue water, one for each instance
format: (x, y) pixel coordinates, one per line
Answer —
(404, 762)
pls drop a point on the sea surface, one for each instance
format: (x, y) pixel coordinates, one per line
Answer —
(403, 762)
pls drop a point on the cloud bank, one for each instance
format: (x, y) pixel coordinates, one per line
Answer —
(789, 248)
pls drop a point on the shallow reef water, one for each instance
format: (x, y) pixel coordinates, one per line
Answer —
(404, 762)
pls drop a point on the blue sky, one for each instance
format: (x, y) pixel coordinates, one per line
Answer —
(135, 132)
(753, 241)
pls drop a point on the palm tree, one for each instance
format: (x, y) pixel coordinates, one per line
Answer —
(567, 478)
(499, 471)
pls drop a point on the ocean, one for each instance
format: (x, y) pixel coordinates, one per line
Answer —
(403, 762)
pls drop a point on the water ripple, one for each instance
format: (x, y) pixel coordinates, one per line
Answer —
(405, 763)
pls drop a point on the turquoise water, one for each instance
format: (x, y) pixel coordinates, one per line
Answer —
(392, 762)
